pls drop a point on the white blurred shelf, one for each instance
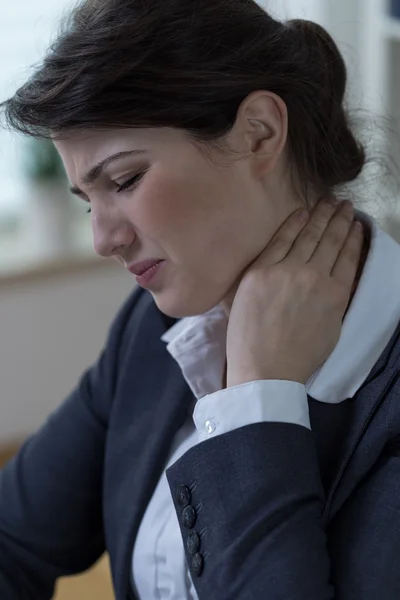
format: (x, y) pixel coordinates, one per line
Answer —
(16, 255)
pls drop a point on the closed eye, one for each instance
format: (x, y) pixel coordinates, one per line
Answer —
(127, 185)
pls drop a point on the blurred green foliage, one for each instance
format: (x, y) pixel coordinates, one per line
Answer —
(41, 161)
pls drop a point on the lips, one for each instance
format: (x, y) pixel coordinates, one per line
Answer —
(142, 267)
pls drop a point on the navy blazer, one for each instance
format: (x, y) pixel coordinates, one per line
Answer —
(281, 512)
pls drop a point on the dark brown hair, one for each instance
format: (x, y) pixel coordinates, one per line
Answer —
(189, 65)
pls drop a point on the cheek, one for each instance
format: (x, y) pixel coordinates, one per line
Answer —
(175, 212)
(199, 223)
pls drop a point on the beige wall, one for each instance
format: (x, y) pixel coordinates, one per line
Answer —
(52, 328)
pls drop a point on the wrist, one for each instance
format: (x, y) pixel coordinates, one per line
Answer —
(233, 380)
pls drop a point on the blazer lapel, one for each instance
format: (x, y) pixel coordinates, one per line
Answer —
(369, 398)
(152, 404)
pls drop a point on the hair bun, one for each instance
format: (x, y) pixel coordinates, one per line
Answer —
(322, 47)
(327, 78)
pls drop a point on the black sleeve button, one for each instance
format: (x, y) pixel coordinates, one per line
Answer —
(183, 496)
(189, 517)
(193, 542)
(197, 564)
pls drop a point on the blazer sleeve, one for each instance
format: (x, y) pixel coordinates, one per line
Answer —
(51, 492)
(249, 505)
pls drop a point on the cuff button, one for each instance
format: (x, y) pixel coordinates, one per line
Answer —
(193, 542)
(210, 426)
(189, 517)
(183, 496)
(197, 564)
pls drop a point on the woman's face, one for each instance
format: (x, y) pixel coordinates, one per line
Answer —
(207, 221)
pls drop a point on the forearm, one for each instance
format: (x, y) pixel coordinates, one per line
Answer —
(258, 498)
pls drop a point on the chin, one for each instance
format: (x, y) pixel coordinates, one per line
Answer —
(180, 306)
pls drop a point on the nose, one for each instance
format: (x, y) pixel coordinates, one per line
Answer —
(109, 239)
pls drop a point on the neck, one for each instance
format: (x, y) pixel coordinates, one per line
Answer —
(360, 269)
(361, 264)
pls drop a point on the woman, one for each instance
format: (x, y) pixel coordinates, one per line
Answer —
(279, 477)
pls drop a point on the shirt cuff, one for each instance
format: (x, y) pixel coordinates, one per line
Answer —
(251, 402)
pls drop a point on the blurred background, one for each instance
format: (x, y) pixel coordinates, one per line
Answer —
(57, 299)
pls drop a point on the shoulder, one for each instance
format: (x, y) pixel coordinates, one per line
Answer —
(138, 320)
(385, 385)
(129, 316)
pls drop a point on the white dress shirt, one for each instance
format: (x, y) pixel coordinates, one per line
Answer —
(159, 569)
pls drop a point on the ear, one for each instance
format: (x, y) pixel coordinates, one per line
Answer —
(262, 121)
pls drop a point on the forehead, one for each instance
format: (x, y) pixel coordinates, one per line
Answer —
(87, 154)
(94, 145)
(82, 151)
(110, 140)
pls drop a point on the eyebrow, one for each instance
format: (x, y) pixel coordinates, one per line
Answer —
(97, 170)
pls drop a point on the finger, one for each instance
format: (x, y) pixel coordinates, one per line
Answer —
(335, 235)
(282, 241)
(310, 236)
(346, 265)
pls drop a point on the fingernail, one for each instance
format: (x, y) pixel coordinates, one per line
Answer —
(347, 204)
